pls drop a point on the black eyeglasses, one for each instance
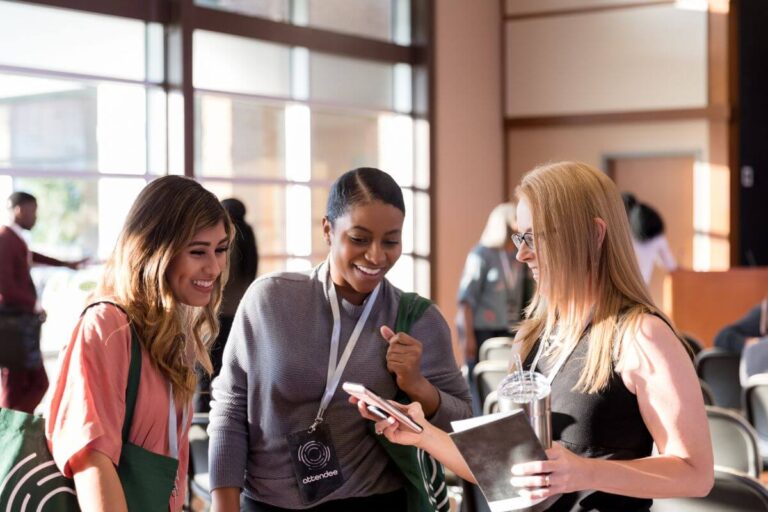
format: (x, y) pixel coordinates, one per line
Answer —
(523, 238)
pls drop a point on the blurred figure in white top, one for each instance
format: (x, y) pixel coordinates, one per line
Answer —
(651, 245)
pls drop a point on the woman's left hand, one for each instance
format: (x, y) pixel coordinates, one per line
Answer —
(564, 472)
(403, 358)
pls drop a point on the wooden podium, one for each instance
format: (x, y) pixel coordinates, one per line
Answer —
(702, 303)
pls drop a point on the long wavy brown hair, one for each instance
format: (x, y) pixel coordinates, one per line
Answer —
(162, 221)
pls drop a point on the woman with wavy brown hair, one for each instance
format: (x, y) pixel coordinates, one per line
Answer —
(156, 311)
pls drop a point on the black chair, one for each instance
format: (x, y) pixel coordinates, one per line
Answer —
(734, 442)
(706, 392)
(199, 484)
(496, 349)
(732, 492)
(756, 408)
(487, 376)
(720, 370)
(694, 344)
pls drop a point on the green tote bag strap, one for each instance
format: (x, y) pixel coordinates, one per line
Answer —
(425, 488)
(148, 479)
(132, 389)
(134, 371)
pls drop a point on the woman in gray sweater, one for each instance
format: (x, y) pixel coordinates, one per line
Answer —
(282, 430)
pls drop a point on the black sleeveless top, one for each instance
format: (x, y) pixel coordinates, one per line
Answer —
(605, 425)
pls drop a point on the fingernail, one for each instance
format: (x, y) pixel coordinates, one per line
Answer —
(516, 470)
(391, 420)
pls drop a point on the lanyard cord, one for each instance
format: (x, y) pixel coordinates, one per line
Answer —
(335, 370)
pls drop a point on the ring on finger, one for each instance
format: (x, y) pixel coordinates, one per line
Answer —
(546, 481)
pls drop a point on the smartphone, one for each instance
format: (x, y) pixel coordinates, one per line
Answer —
(369, 397)
(377, 412)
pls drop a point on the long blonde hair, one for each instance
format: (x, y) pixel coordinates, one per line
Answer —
(164, 218)
(565, 198)
(501, 222)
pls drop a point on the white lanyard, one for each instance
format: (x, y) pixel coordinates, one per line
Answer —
(560, 362)
(335, 370)
(173, 440)
(563, 355)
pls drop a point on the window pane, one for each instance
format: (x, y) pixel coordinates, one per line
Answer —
(267, 264)
(343, 80)
(76, 42)
(423, 278)
(265, 211)
(408, 225)
(237, 64)
(276, 10)
(67, 227)
(68, 125)
(367, 18)
(319, 200)
(342, 141)
(239, 137)
(421, 153)
(396, 147)
(421, 217)
(116, 196)
(401, 275)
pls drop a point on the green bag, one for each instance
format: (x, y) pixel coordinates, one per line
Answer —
(425, 488)
(30, 480)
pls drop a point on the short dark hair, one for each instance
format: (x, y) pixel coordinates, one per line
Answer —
(645, 222)
(362, 185)
(19, 198)
(629, 200)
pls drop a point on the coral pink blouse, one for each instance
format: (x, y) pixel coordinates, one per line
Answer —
(88, 404)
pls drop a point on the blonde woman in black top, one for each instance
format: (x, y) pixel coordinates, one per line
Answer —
(621, 378)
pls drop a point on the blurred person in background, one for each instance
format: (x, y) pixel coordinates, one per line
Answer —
(648, 238)
(23, 388)
(749, 338)
(495, 287)
(493, 292)
(243, 267)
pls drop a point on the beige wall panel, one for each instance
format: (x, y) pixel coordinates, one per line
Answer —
(468, 148)
(591, 144)
(645, 58)
(537, 6)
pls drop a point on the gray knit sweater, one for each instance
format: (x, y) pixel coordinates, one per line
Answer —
(273, 378)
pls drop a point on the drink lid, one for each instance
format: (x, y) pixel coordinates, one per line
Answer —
(532, 386)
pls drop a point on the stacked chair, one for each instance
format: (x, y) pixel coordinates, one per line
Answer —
(720, 370)
(756, 410)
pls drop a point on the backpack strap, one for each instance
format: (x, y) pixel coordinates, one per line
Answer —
(134, 371)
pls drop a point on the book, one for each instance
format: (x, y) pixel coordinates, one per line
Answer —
(491, 445)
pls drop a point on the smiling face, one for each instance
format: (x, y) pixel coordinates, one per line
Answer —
(525, 254)
(365, 243)
(193, 273)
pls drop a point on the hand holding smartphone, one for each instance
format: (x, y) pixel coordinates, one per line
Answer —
(380, 407)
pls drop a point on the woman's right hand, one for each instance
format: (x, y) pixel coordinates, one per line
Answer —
(390, 427)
